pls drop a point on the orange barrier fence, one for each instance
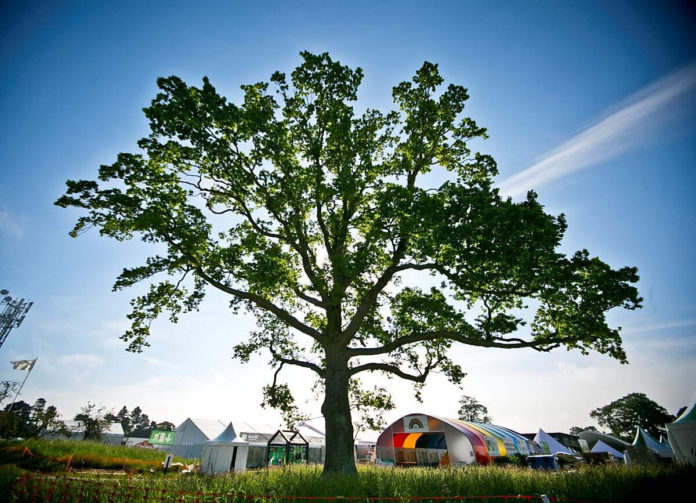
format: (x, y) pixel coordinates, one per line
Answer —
(47, 489)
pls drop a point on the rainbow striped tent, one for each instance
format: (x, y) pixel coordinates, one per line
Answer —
(421, 439)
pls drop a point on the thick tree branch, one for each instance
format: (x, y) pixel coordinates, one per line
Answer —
(495, 342)
(304, 364)
(368, 301)
(265, 304)
(393, 369)
(309, 298)
(293, 361)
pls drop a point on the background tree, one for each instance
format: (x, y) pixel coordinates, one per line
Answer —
(30, 421)
(574, 430)
(165, 426)
(134, 423)
(471, 409)
(308, 214)
(123, 418)
(14, 419)
(45, 419)
(622, 416)
(8, 389)
(93, 420)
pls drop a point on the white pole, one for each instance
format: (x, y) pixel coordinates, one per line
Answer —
(25, 380)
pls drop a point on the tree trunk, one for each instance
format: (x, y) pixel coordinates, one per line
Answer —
(340, 457)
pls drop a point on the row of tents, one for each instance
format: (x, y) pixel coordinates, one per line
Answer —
(421, 439)
(415, 439)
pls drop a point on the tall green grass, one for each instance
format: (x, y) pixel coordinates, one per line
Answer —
(591, 483)
(594, 483)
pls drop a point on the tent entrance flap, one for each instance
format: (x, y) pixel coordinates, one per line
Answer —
(425, 449)
(234, 458)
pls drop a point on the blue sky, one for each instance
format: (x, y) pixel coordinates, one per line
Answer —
(592, 104)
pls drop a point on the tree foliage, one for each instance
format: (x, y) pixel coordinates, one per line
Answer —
(8, 389)
(574, 430)
(165, 426)
(308, 212)
(30, 421)
(136, 423)
(93, 420)
(624, 415)
(470, 409)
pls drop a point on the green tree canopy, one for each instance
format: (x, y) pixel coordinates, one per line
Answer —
(30, 421)
(308, 211)
(470, 409)
(94, 421)
(624, 415)
(134, 423)
(574, 430)
(8, 389)
(165, 426)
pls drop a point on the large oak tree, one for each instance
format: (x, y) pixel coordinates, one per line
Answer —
(308, 212)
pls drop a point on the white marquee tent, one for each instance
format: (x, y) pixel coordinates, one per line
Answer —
(682, 436)
(227, 452)
(192, 434)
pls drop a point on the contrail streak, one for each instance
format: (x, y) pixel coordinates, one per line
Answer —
(608, 137)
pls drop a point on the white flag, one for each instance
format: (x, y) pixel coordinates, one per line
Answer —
(24, 364)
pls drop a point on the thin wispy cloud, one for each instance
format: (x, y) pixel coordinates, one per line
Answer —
(617, 132)
(658, 328)
(10, 226)
(80, 361)
(159, 363)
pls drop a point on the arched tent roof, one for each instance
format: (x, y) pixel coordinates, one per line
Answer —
(592, 437)
(398, 435)
(532, 447)
(499, 443)
(512, 440)
(418, 431)
(501, 434)
(477, 439)
(498, 433)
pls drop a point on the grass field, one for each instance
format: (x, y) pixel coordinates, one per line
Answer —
(588, 483)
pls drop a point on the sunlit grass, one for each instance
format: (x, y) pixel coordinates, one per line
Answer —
(144, 476)
(590, 483)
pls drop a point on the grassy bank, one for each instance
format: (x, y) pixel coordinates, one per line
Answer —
(57, 456)
(59, 448)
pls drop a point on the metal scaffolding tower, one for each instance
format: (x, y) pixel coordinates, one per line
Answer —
(12, 314)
